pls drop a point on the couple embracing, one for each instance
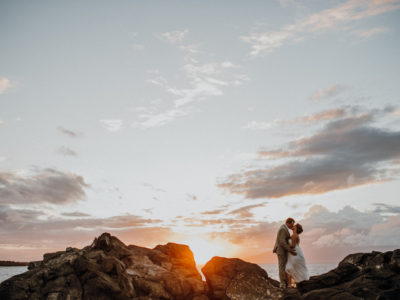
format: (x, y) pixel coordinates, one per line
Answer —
(292, 264)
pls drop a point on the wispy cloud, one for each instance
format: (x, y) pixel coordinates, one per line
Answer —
(245, 211)
(175, 36)
(347, 152)
(158, 119)
(203, 81)
(69, 132)
(259, 125)
(330, 91)
(5, 84)
(66, 151)
(213, 212)
(76, 214)
(153, 188)
(367, 33)
(41, 186)
(332, 19)
(139, 47)
(112, 125)
(325, 115)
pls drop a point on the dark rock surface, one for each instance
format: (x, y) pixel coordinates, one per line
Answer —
(235, 279)
(108, 269)
(374, 275)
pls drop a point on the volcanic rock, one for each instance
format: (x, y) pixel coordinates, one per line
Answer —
(374, 275)
(235, 279)
(108, 269)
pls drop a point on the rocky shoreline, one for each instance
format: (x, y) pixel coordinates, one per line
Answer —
(9, 263)
(109, 269)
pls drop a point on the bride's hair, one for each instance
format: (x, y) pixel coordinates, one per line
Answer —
(299, 228)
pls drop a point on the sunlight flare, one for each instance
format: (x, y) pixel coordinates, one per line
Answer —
(204, 249)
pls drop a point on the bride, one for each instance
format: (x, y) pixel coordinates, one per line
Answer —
(296, 267)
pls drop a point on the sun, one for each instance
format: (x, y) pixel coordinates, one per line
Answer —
(203, 249)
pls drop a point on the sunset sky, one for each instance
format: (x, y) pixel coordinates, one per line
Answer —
(200, 122)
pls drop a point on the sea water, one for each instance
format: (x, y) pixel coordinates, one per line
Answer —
(7, 272)
(272, 270)
(314, 269)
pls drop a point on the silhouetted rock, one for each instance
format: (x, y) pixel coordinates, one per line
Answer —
(233, 278)
(108, 269)
(372, 275)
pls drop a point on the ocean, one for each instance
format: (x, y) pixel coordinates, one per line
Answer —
(314, 269)
(7, 272)
(272, 270)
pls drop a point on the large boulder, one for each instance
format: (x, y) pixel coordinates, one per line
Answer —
(235, 279)
(108, 269)
(374, 275)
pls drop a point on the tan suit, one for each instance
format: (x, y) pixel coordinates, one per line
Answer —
(282, 248)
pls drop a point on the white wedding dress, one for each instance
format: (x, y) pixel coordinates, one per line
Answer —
(296, 265)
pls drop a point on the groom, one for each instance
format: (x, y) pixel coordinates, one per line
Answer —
(282, 248)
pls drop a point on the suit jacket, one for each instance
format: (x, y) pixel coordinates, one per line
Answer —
(281, 244)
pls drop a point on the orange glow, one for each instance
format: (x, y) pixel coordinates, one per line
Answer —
(203, 249)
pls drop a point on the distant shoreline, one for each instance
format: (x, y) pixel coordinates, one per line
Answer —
(8, 263)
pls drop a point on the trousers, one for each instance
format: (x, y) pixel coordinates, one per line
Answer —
(282, 260)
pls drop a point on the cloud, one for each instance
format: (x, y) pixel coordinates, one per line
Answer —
(213, 212)
(66, 151)
(386, 208)
(175, 36)
(256, 125)
(112, 125)
(345, 153)
(5, 84)
(328, 114)
(349, 228)
(41, 186)
(153, 188)
(328, 92)
(139, 47)
(204, 81)
(244, 212)
(75, 214)
(328, 236)
(266, 42)
(28, 234)
(68, 132)
(332, 19)
(367, 33)
(150, 120)
(8, 215)
(325, 115)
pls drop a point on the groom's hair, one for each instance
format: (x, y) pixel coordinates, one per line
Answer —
(289, 220)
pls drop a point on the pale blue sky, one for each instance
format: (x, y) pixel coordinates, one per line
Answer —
(143, 109)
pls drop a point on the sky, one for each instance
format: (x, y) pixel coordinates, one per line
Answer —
(206, 123)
